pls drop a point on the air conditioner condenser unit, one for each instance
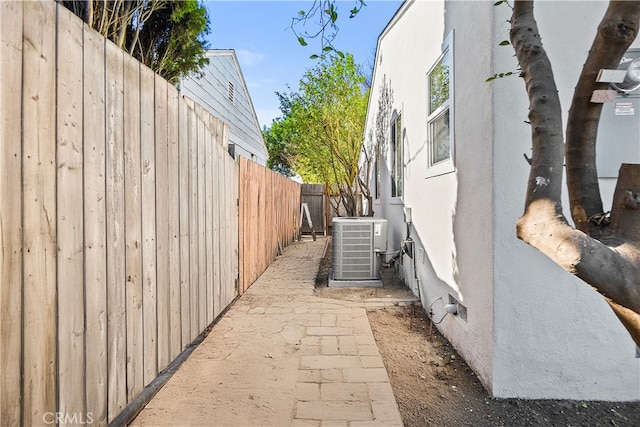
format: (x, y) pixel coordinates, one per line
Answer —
(357, 246)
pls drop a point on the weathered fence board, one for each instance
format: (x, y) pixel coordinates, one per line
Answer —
(194, 233)
(183, 190)
(70, 260)
(237, 259)
(217, 180)
(209, 186)
(10, 212)
(133, 227)
(148, 186)
(162, 218)
(39, 215)
(201, 215)
(116, 238)
(173, 172)
(124, 221)
(97, 194)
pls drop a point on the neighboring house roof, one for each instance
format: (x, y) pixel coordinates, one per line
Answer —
(222, 90)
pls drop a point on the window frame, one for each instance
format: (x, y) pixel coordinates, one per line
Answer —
(377, 172)
(397, 162)
(447, 165)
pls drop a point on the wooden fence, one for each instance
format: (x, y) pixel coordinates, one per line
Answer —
(119, 221)
(270, 212)
(315, 196)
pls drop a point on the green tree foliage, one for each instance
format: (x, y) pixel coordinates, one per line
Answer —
(279, 143)
(171, 42)
(323, 17)
(322, 126)
(165, 35)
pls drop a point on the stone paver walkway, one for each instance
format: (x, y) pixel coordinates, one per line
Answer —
(282, 357)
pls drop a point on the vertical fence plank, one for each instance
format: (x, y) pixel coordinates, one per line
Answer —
(162, 221)
(71, 292)
(116, 244)
(174, 223)
(224, 182)
(148, 187)
(230, 224)
(232, 233)
(263, 219)
(202, 232)
(96, 196)
(236, 234)
(209, 226)
(39, 215)
(250, 243)
(217, 182)
(133, 227)
(183, 188)
(254, 228)
(194, 234)
(270, 219)
(241, 223)
(10, 212)
(215, 218)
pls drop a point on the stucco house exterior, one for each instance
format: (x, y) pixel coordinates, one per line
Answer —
(221, 90)
(451, 179)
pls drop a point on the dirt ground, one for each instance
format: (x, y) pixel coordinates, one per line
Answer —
(435, 387)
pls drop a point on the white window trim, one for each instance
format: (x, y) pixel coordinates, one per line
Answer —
(378, 157)
(392, 157)
(445, 166)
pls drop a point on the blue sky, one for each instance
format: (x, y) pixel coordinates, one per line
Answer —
(268, 52)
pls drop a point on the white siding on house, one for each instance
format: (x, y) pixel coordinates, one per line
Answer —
(532, 330)
(212, 91)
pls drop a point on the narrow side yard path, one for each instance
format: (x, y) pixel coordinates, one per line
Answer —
(282, 357)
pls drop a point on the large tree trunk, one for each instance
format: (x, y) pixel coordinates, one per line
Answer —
(611, 264)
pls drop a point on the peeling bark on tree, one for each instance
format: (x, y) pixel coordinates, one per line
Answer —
(608, 259)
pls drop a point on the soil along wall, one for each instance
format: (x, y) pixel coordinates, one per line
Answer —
(119, 220)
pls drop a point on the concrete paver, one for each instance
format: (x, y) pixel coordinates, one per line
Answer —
(282, 357)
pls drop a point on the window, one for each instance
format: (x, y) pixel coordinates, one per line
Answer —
(440, 111)
(377, 172)
(397, 165)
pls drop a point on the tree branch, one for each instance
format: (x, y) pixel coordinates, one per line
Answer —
(545, 177)
(616, 32)
(611, 266)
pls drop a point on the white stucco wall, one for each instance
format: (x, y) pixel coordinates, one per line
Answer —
(451, 212)
(532, 330)
(554, 336)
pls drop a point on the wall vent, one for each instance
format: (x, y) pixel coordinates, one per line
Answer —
(462, 310)
(231, 92)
